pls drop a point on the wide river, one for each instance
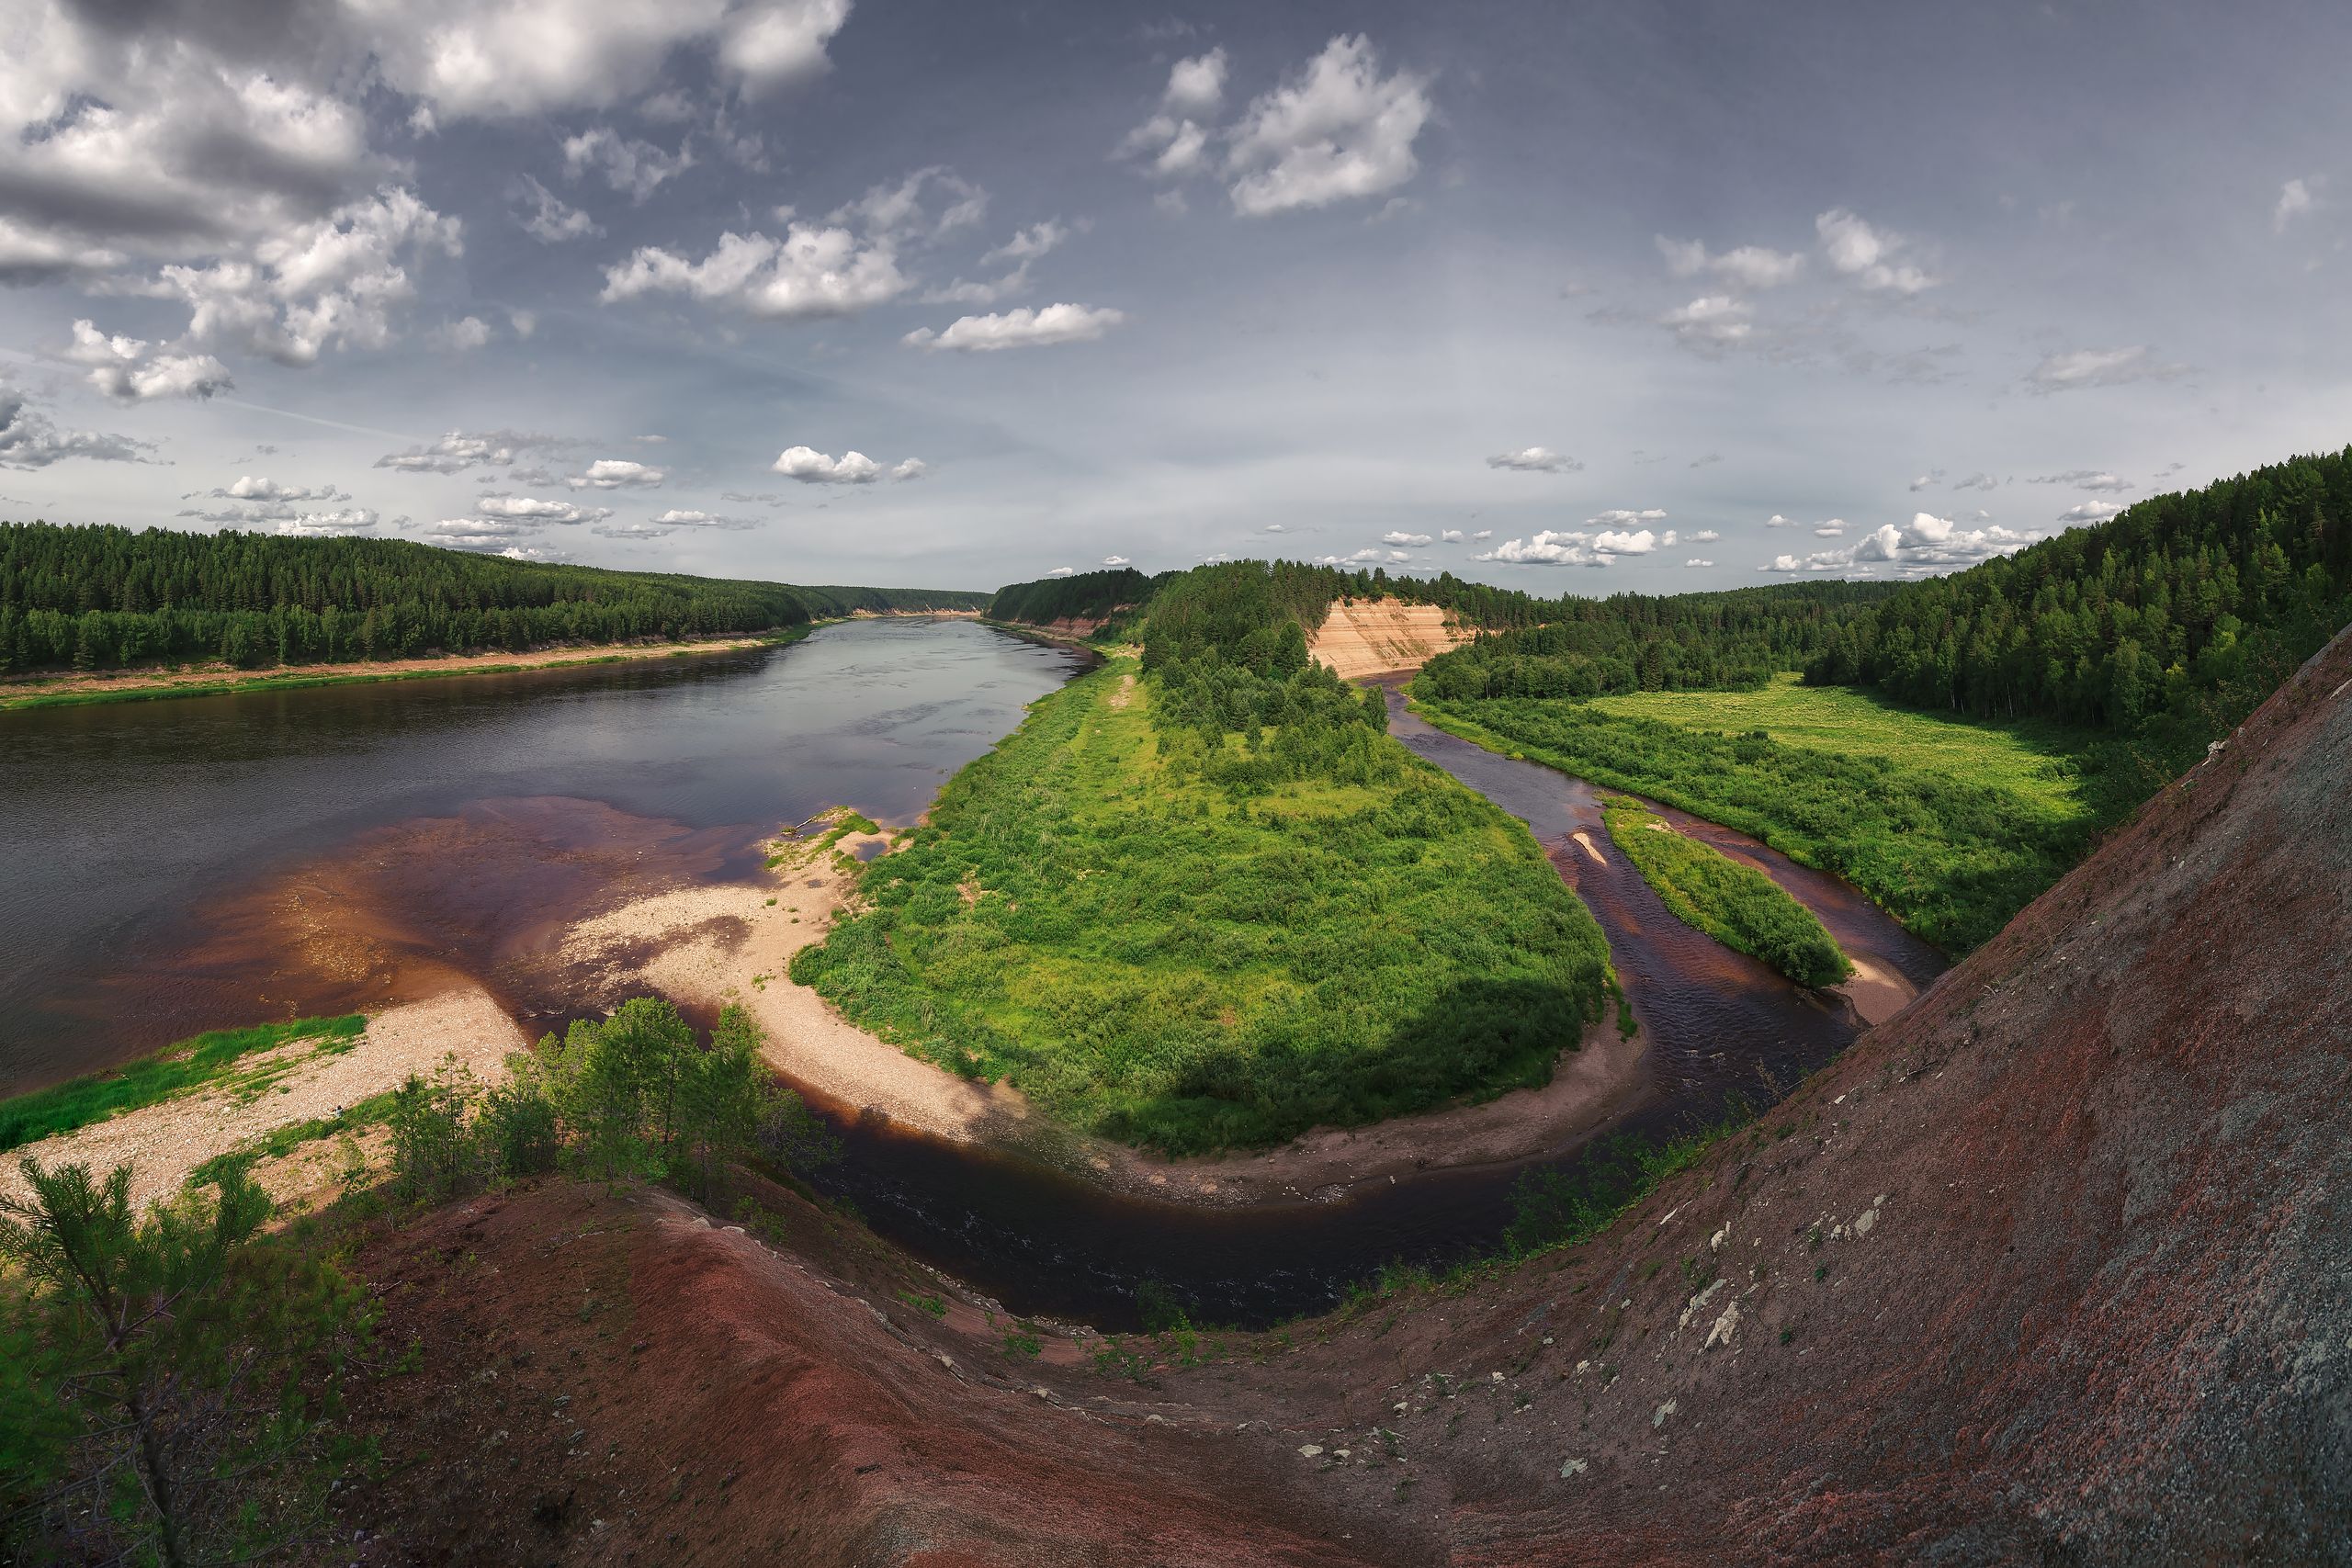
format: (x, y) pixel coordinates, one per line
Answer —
(177, 865)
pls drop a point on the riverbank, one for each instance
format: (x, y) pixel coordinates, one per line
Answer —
(295, 1083)
(214, 680)
(710, 945)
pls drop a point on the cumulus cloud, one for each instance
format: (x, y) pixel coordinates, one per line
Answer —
(2090, 512)
(1704, 536)
(1830, 530)
(257, 488)
(462, 335)
(616, 473)
(1747, 267)
(811, 272)
(1449, 536)
(531, 509)
(1776, 521)
(636, 169)
(810, 467)
(1546, 547)
(1927, 545)
(1062, 571)
(1710, 323)
(1174, 141)
(330, 283)
(2296, 200)
(130, 370)
(1116, 560)
(29, 439)
(2099, 367)
(489, 59)
(1024, 328)
(1618, 517)
(1535, 460)
(2081, 479)
(319, 525)
(1696, 562)
(459, 451)
(547, 217)
(1394, 537)
(1617, 543)
(1338, 131)
(1872, 257)
(1023, 248)
(475, 533)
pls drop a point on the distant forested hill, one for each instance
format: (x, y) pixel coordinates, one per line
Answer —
(1087, 595)
(105, 597)
(2191, 607)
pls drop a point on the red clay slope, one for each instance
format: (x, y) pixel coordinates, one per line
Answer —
(2056, 1267)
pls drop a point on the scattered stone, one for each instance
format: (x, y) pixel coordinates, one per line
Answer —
(1573, 1467)
(1310, 1450)
(1657, 1416)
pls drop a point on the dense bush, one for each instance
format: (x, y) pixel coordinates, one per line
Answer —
(1737, 904)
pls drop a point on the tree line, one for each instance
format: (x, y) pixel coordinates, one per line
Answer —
(102, 598)
(2172, 620)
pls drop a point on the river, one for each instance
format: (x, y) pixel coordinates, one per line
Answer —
(207, 861)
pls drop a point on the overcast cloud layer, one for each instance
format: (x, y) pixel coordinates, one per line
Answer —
(852, 292)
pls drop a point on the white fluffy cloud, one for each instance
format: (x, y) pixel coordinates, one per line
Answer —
(29, 439)
(1535, 460)
(811, 272)
(2090, 512)
(1872, 257)
(2081, 479)
(2296, 200)
(257, 488)
(1546, 547)
(1024, 328)
(1394, 537)
(316, 525)
(1175, 142)
(1710, 323)
(1615, 542)
(461, 336)
(2099, 367)
(513, 58)
(530, 509)
(810, 467)
(1703, 536)
(616, 473)
(1696, 562)
(1746, 267)
(1338, 131)
(1927, 545)
(1619, 518)
(130, 370)
(904, 212)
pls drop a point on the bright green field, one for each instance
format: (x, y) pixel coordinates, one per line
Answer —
(2030, 763)
(214, 1060)
(1190, 966)
(1950, 826)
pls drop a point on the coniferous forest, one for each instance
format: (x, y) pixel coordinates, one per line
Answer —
(105, 598)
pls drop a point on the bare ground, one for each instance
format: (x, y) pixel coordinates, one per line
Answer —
(1381, 637)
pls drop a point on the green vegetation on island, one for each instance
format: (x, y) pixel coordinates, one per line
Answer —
(1735, 904)
(1202, 901)
(103, 598)
(221, 1057)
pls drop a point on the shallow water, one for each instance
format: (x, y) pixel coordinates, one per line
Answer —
(178, 866)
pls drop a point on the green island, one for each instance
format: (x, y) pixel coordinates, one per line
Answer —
(1737, 904)
(1201, 901)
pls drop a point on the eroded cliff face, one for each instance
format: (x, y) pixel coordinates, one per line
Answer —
(1380, 637)
(2055, 1265)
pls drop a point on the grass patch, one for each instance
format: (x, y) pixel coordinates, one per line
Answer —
(1951, 825)
(1185, 962)
(1735, 904)
(279, 1142)
(208, 1059)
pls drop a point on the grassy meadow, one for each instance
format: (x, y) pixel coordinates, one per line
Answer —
(1951, 825)
(1178, 950)
(1735, 904)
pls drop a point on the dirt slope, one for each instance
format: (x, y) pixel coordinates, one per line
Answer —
(1379, 637)
(2056, 1267)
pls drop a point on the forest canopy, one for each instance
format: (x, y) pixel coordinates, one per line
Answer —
(102, 598)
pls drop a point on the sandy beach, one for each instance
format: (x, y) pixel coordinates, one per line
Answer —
(735, 943)
(164, 1142)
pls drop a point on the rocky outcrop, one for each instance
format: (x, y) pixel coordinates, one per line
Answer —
(1381, 637)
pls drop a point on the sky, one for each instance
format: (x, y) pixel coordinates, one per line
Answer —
(1570, 297)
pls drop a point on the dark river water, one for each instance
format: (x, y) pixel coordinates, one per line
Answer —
(179, 865)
